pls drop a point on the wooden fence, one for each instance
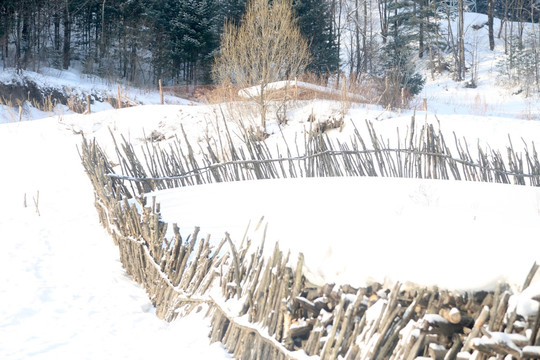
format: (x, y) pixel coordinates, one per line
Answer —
(422, 154)
(281, 312)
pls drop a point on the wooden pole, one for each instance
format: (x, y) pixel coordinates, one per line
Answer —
(119, 97)
(161, 91)
(88, 103)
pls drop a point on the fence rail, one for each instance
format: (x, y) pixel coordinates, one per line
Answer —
(334, 153)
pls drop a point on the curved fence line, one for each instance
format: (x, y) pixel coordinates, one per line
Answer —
(275, 312)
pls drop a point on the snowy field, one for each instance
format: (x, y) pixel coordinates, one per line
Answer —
(64, 294)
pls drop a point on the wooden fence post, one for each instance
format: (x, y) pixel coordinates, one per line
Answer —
(161, 91)
(88, 103)
(119, 106)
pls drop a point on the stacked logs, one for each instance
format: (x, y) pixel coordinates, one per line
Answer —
(375, 323)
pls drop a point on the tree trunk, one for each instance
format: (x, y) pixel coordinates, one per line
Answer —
(133, 62)
(18, 43)
(521, 20)
(504, 23)
(56, 22)
(340, 4)
(123, 56)
(364, 39)
(490, 25)
(461, 43)
(357, 37)
(383, 16)
(25, 39)
(102, 44)
(535, 50)
(421, 35)
(66, 52)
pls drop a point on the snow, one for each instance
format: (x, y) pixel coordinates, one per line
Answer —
(354, 230)
(73, 82)
(64, 293)
(524, 303)
(497, 338)
(255, 91)
(69, 291)
(374, 312)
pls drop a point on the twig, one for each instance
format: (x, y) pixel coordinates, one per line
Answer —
(36, 202)
(236, 266)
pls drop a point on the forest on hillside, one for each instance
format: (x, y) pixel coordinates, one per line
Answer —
(143, 41)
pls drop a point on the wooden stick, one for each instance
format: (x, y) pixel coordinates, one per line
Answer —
(36, 203)
(89, 109)
(119, 98)
(161, 92)
(236, 266)
(476, 329)
(530, 276)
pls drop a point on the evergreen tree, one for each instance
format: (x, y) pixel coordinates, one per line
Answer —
(194, 38)
(160, 15)
(397, 59)
(315, 23)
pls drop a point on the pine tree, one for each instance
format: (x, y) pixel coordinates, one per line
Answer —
(195, 38)
(161, 14)
(315, 23)
(397, 59)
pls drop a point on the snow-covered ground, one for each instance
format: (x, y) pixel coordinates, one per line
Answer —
(73, 83)
(63, 293)
(356, 230)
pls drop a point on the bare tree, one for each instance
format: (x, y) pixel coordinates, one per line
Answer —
(362, 46)
(267, 46)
